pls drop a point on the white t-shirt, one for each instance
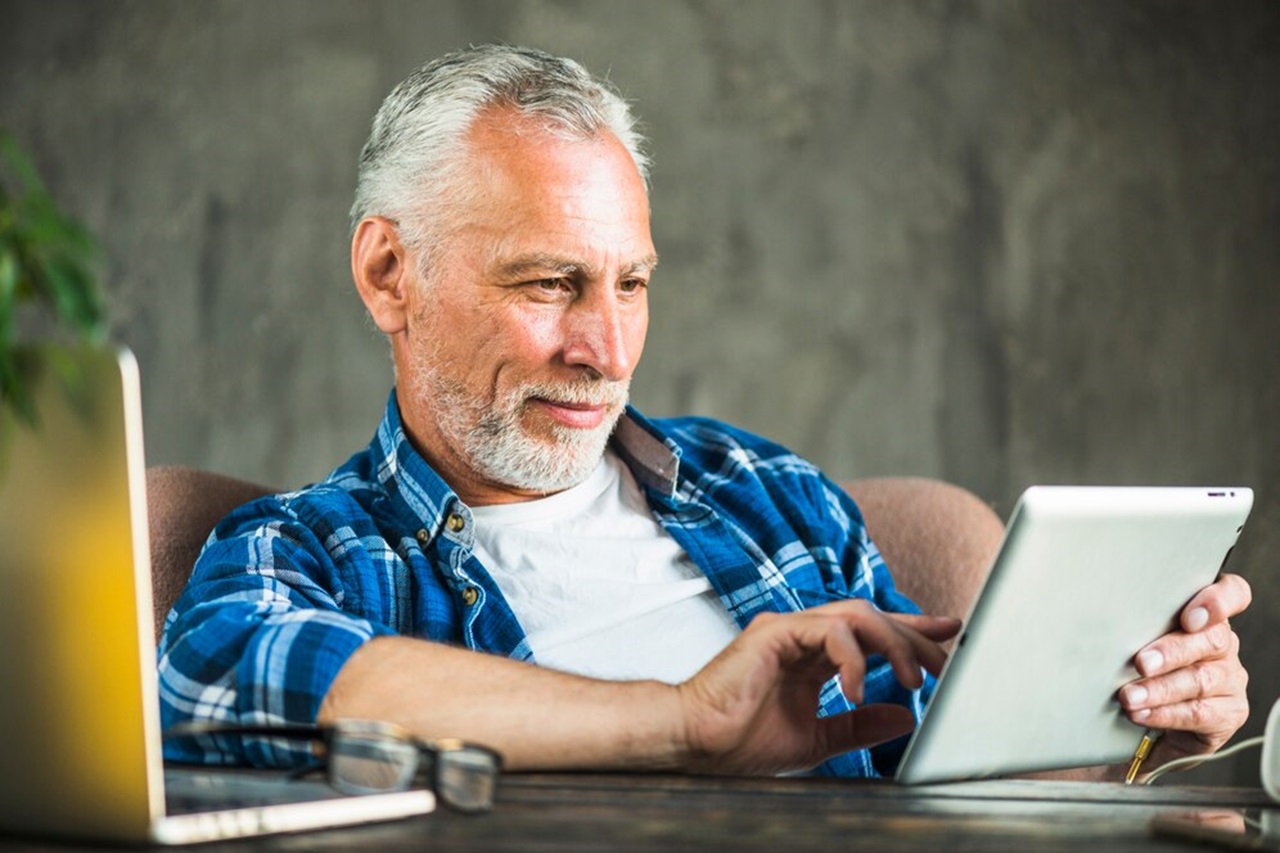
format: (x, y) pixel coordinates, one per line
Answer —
(599, 586)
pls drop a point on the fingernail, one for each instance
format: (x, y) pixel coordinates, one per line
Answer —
(1197, 619)
(1139, 716)
(1150, 661)
(1135, 694)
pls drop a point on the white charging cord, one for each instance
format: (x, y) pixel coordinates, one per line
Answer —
(1196, 760)
(1270, 764)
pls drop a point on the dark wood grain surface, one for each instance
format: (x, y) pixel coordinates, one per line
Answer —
(568, 812)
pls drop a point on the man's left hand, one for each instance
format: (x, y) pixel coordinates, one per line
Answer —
(1192, 684)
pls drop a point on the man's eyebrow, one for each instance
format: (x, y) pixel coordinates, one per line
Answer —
(538, 262)
(647, 264)
(541, 262)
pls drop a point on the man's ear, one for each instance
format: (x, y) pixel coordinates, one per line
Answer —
(383, 273)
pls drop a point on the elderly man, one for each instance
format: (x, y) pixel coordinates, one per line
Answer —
(693, 597)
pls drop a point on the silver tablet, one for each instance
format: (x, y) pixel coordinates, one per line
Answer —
(1085, 577)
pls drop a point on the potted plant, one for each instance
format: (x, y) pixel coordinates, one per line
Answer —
(48, 288)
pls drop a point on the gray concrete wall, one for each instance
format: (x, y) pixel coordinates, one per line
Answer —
(1000, 242)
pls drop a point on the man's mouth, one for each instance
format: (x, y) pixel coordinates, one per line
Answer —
(575, 415)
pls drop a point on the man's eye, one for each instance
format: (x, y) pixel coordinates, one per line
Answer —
(550, 285)
(631, 285)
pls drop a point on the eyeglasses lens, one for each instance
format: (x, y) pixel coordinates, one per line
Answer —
(370, 764)
(466, 778)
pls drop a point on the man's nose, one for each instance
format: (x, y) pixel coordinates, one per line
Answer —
(599, 334)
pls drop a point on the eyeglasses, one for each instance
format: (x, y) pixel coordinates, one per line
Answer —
(372, 757)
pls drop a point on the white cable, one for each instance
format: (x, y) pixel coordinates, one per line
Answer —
(1197, 760)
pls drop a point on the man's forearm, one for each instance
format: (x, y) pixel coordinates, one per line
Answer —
(537, 718)
(752, 710)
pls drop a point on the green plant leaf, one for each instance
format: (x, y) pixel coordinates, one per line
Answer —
(8, 277)
(8, 296)
(74, 299)
(46, 260)
(14, 393)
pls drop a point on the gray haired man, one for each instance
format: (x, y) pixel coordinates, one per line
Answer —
(520, 558)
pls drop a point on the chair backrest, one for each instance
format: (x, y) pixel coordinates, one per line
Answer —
(183, 506)
(937, 539)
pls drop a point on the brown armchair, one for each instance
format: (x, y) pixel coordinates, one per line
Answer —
(937, 539)
(183, 506)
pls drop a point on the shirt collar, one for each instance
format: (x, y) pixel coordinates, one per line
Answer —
(653, 458)
(405, 474)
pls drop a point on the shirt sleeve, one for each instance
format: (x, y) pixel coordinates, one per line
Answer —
(257, 637)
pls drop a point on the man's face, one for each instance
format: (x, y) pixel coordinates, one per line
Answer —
(522, 339)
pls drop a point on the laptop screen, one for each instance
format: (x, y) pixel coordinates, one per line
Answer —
(78, 704)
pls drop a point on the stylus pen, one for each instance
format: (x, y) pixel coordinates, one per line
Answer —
(1149, 738)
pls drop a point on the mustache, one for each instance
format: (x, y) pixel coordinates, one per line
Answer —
(582, 392)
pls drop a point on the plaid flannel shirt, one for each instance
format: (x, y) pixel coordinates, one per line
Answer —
(289, 586)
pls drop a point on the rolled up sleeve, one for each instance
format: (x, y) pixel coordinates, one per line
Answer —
(257, 637)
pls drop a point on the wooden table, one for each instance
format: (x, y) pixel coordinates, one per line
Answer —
(567, 812)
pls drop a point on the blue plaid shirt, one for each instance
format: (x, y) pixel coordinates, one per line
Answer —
(289, 586)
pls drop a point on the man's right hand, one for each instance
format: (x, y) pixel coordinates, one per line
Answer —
(754, 708)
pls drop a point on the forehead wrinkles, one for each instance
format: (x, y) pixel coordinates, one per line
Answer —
(522, 192)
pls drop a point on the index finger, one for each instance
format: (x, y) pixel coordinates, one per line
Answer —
(906, 648)
(1228, 595)
(936, 628)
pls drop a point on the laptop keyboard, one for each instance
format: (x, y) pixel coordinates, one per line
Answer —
(189, 790)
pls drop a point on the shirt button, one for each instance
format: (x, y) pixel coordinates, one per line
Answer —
(422, 536)
(455, 523)
(470, 595)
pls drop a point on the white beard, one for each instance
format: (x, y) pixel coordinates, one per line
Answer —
(494, 442)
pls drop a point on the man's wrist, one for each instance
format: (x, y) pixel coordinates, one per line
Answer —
(657, 736)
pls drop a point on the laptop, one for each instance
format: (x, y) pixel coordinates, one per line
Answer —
(1085, 577)
(79, 708)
